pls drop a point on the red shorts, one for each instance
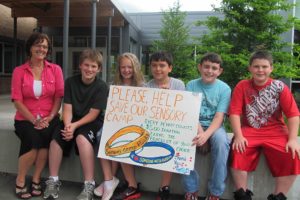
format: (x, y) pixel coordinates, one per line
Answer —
(279, 161)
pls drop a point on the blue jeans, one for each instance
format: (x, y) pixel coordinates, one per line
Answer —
(219, 145)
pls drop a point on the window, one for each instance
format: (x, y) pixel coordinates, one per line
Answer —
(8, 56)
(75, 62)
(1, 59)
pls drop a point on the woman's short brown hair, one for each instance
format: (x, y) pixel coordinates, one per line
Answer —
(36, 38)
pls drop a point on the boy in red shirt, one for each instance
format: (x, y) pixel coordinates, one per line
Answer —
(256, 118)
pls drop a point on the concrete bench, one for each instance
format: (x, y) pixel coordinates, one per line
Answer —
(260, 181)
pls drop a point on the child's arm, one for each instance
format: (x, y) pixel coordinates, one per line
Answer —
(200, 131)
(239, 141)
(290, 110)
(203, 136)
(67, 113)
(292, 144)
(67, 118)
(91, 116)
(71, 127)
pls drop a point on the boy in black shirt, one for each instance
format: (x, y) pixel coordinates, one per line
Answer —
(84, 101)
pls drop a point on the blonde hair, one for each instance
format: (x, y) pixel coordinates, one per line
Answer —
(137, 77)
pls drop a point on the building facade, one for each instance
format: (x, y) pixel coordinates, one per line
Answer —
(115, 32)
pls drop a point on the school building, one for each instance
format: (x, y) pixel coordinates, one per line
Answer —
(116, 30)
(73, 25)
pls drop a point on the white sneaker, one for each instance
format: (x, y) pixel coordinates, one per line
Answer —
(98, 191)
(109, 190)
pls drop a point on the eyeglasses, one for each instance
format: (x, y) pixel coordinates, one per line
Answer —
(41, 46)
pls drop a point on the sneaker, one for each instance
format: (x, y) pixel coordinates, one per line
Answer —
(163, 193)
(212, 197)
(87, 192)
(279, 196)
(271, 197)
(241, 194)
(190, 196)
(52, 188)
(98, 191)
(123, 185)
(109, 191)
(128, 194)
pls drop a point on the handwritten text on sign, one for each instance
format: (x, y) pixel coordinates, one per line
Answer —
(151, 127)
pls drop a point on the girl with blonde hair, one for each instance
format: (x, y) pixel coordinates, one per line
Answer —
(128, 73)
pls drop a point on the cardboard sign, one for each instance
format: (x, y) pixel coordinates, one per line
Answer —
(151, 127)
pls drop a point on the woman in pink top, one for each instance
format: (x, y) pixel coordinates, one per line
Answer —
(37, 89)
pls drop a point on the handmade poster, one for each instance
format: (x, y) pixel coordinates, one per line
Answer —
(151, 128)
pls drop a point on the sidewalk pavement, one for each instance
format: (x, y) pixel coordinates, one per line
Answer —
(68, 190)
(7, 112)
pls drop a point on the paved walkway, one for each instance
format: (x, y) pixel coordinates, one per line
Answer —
(68, 190)
(7, 112)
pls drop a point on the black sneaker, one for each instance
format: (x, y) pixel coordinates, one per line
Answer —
(128, 194)
(279, 196)
(241, 194)
(123, 185)
(163, 193)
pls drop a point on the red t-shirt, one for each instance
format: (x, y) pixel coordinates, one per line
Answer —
(261, 107)
(22, 88)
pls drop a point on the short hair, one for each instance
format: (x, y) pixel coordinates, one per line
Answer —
(261, 54)
(162, 56)
(138, 78)
(36, 38)
(91, 54)
(212, 57)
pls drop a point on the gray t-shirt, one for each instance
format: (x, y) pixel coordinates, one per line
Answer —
(175, 84)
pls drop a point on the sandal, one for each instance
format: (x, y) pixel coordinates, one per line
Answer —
(22, 192)
(36, 189)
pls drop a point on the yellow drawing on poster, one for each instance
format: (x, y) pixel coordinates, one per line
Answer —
(129, 147)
